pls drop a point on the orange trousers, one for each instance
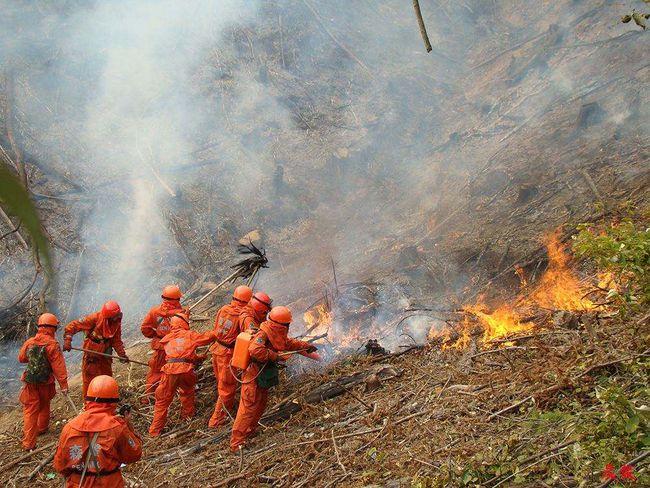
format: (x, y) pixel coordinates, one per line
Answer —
(169, 384)
(154, 374)
(226, 386)
(36, 400)
(251, 408)
(90, 368)
(113, 480)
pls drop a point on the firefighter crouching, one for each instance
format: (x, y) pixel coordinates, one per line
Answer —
(44, 363)
(94, 444)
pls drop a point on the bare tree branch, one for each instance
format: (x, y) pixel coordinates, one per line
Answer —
(423, 28)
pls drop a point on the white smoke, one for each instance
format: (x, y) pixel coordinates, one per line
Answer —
(126, 73)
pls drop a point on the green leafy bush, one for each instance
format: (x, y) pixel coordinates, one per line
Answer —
(623, 249)
(609, 424)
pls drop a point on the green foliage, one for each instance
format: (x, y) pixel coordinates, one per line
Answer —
(16, 200)
(612, 435)
(612, 430)
(622, 249)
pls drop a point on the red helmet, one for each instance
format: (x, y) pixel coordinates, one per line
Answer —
(261, 302)
(48, 320)
(178, 322)
(103, 389)
(242, 294)
(171, 292)
(111, 309)
(280, 315)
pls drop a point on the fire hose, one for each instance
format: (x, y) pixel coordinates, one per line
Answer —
(284, 354)
(109, 356)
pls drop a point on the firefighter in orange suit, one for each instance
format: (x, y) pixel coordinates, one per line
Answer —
(265, 351)
(44, 363)
(103, 331)
(226, 328)
(155, 326)
(95, 444)
(255, 312)
(178, 372)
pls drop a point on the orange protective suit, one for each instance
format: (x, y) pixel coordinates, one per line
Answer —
(114, 441)
(155, 326)
(250, 320)
(271, 339)
(227, 326)
(102, 335)
(36, 397)
(178, 374)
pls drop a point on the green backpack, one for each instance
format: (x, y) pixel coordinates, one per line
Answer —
(38, 366)
(268, 377)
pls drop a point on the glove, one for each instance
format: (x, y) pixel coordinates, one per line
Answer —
(312, 349)
(67, 344)
(124, 359)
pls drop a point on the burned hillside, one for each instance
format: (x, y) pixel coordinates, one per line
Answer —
(404, 201)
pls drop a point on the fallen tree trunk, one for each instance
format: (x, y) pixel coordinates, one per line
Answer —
(326, 391)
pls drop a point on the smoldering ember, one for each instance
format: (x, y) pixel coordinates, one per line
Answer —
(294, 243)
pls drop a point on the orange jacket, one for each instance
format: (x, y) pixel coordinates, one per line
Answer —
(226, 324)
(45, 337)
(100, 335)
(118, 442)
(155, 325)
(180, 349)
(249, 320)
(272, 339)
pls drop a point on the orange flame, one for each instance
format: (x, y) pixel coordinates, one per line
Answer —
(558, 289)
(501, 322)
(322, 321)
(318, 317)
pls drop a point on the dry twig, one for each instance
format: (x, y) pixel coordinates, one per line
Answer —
(25, 456)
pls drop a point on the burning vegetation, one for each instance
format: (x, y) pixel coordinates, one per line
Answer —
(558, 289)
